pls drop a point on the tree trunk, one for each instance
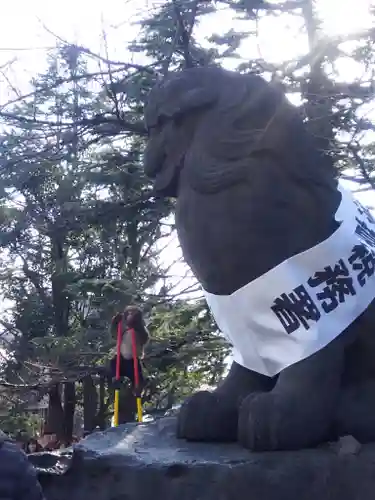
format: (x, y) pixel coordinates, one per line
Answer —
(69, 408)
(90, 403)
(55, 413)
(101, 416)
(318, 106)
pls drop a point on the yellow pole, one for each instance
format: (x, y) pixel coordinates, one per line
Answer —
(139, 410)
(136, 374)
(117, 401)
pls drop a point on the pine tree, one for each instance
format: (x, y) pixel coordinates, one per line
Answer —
(77, 228)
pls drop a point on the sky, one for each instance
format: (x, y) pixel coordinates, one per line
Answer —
(24, 22)
(29, 28)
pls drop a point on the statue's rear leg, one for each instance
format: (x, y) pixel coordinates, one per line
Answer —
(300, 410)
(213, 416)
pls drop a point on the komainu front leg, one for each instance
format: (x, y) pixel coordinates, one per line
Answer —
(213, 416)
(299, 411)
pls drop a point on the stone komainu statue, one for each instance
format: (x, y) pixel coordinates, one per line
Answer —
(259, 208)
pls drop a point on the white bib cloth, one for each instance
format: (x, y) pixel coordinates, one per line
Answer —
(305, 302)
(126, 347)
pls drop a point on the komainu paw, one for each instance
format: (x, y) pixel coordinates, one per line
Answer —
(205, 417)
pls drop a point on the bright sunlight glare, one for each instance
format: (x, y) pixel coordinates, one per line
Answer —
(343, 17)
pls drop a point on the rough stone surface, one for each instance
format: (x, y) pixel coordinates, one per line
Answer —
(147, 462)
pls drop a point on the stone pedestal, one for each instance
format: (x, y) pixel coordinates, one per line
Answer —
(147, 462)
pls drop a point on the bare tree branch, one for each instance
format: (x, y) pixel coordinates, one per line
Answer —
(85, 50)
(95, 121)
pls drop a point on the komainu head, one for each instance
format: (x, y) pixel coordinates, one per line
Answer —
(205, 126)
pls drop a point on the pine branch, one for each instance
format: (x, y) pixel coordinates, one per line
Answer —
(362, 166)
(56, 84)
(94, 122)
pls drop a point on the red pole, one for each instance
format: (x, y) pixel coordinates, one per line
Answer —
(118, 356)
(135, 358)
(136, 374)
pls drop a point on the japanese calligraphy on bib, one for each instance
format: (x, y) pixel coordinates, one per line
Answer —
(301, 305)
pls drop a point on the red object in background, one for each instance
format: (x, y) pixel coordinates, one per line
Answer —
(118, 357)
(134, 352)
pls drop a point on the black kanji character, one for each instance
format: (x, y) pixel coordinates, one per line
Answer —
(295, 309)
(364, 232)
(365, 211)
(362, 259)
(338, 284)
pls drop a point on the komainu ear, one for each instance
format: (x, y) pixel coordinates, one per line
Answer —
(172, 106)
(189, 100)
